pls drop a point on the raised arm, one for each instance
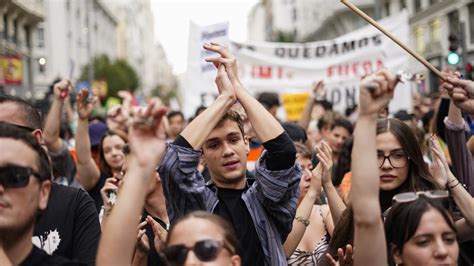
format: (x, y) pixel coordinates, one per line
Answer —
(265, 125)
(317, 89)
(375, 93)
(87, 170)
(198, 130)
(446, 179)
(147, 145)
(336, 205)
(461, 157)
(303, 213)
(52, 125)
(461, 92)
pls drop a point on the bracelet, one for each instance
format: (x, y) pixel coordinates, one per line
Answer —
(302, 220)
(454, 185)
(452, 181)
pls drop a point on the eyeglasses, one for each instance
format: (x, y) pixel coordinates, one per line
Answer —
(412, 196)
(396, 159)
(13, 176)
(205, 250)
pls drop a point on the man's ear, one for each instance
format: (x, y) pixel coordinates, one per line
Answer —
(203, 159)
(45, 189)
(235, 260)
(396, 254)
(247, 145)
(38, 134)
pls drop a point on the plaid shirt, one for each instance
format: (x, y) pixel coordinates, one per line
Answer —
(271, 200)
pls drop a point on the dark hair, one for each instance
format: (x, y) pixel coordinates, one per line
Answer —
(328, 119)
(227, 230)
(29, 115)
(404, 219)
(344, 161)
(103, 165)
(12, 132)
(419, 177)
(173, 114)
(199, 110)
(233, 116)
(269, 99)
(327, 105)
(295, 131)
(343, 233)
(344, 123)
(303, 149)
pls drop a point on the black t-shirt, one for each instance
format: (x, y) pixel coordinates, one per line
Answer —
(38, 257)
(232, 208)
(153, 257)
(69, 226)
(95, 191)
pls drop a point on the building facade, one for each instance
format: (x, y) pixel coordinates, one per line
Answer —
(303, 20)
(136, 42)
(18, 24)
(72, 33)
(431, 23)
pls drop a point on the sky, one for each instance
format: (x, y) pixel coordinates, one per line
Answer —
(172, 19)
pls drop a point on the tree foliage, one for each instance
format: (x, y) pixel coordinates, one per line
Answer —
(118, 74)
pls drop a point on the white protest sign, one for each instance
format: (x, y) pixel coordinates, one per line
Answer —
(197, 85)
(293, 67)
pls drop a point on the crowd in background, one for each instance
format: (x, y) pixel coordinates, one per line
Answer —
(235, 185)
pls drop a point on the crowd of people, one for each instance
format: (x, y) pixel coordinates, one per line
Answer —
(234, 185)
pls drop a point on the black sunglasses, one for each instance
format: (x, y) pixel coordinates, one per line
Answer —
(205, 250)
(12, 176)
(29, 129)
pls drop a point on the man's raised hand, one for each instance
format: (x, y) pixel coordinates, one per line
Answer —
(226, 58)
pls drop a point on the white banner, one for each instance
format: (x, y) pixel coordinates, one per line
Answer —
(197, 85)
(293, 67)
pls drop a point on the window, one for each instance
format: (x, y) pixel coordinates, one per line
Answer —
(386, 7)
(435, 30)
(432, 2)
(40, 37)
(419, 39)
(417, 6)
(27, 36)
(15, 31)
(403, 4)
(471, 22)
(453, 21)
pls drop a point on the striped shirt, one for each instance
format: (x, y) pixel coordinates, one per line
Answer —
(271, 200)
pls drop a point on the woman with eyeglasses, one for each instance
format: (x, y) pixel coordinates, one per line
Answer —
(92, 176)
(419, 230)
(201, 238)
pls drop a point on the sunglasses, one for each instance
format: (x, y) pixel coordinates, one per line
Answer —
(29, 129)
(13, 176)
(205, 250)
(412, 196)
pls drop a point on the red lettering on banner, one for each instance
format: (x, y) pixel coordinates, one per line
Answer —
(356, 69)
(269, 72)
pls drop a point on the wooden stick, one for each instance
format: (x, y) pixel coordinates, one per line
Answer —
(395, 39)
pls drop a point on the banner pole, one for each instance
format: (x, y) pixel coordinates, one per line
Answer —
(395, 39)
